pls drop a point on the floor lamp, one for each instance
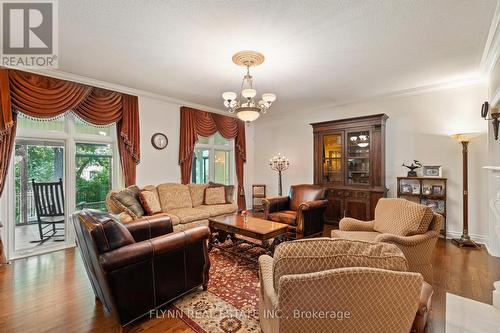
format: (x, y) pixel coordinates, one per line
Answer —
(279, 163)
(464, 139)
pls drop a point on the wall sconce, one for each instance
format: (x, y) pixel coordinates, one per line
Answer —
(494, 117)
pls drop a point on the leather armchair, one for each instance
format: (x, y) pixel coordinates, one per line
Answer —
(352, 286)
(140, 266)
(393, 218)
(303, 210)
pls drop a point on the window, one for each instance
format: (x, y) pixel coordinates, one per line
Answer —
(64, 148)
(213, 160)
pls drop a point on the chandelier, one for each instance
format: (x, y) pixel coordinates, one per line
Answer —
(245, 106)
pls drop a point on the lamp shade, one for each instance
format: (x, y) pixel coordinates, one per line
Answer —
(248, 115)
(248, 93)
(229, 96)
(465, 137)
(268, 97)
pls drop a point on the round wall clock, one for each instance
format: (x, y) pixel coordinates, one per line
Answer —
(159, 141)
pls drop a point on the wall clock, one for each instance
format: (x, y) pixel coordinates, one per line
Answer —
(159, 141)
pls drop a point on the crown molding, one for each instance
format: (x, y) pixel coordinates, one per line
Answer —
(58, 74)
(492, 47)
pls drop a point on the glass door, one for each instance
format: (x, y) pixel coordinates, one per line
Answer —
(358, 157)
(332, 169)
(38, 162)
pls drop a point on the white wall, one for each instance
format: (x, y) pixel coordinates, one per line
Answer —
(418, 128)
(161, 166)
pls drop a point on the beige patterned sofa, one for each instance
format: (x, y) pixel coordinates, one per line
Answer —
(183, 203)
(414, 228)
(335, 285)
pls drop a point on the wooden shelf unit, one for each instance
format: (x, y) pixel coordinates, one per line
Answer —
(423, 198)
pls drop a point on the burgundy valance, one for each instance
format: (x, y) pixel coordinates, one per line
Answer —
(40, 96)
(195, 122)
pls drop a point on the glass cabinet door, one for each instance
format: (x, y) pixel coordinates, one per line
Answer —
(358, 157)
(332, 168)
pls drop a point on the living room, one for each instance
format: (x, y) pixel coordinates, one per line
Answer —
(258, 151)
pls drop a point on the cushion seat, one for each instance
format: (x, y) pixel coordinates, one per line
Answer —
(217, 210)
(187, 215)
(284, 216)
(368, 236)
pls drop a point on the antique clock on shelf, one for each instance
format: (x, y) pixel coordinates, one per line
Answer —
(349, 162)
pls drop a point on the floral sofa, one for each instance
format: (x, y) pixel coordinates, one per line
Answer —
(184, 204)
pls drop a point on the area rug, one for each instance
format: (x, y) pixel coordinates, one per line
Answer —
(230, 304)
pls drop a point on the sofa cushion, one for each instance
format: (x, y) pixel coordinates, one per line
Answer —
(173, 196)
(215, 195)
(368, 236)
(150, 202)
(174, 218)
(187, 215)
(284, 216)
(107, 233)
(320, 254)
(217, 210)
(197, 192)
(126, 200)
(229, 191)
(400, 217)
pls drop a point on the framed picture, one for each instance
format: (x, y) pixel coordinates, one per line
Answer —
(427, 190)
(437, 189)
(433, 171)
(406, 188)
(415, 189)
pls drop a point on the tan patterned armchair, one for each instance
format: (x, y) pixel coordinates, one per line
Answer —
(414, 228)
(334, 285)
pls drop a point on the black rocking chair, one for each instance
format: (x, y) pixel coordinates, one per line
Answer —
(49, 204)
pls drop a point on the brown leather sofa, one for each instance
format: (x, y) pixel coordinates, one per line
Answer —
(140, 266)
(303, 210)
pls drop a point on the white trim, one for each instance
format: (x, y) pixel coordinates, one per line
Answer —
(492, 46)
(123, 89)
(481, 239)
(44, 250)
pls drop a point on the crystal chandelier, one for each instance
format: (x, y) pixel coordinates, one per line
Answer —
(244, 105)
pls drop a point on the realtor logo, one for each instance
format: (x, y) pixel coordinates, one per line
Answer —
(29, 33)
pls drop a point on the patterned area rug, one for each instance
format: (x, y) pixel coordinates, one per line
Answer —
(231, 302)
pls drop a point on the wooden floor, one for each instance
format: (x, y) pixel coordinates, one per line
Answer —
(51, 293)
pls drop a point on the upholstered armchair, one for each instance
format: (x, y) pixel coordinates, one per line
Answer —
(412, 227)
(335, 285)
(303, 210)
(140, 266)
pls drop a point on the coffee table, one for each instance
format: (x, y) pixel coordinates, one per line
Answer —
(260, 230)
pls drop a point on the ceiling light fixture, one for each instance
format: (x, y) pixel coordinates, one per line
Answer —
(244, 105)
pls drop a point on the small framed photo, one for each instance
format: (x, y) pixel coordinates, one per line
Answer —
(432, 171)
(427, 190)
(437, 189)
(415, 189)
(406, 189)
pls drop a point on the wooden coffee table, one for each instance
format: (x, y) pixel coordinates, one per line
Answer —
(260, 230)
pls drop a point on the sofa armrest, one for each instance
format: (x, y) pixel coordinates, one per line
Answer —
(310, 218)
(275, 204)
(149, 227)
(350, 224)
(148, 249)
(311, 205)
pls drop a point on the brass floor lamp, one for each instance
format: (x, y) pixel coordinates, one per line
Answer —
(465, 240)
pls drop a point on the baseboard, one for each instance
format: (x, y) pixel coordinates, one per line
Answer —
(481, 239)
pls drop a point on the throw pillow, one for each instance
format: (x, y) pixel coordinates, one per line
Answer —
(215, 195)
(111, 234)
(128, 199)
(149, 202)
(229, 191)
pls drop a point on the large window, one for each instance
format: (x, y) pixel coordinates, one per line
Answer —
(64, 148)
(213, 160)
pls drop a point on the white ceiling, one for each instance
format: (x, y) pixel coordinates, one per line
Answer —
(317, 52)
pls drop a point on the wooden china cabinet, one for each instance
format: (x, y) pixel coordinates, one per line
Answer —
(349, 162)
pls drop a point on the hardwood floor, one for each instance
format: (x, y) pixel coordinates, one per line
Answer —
(51, 293)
